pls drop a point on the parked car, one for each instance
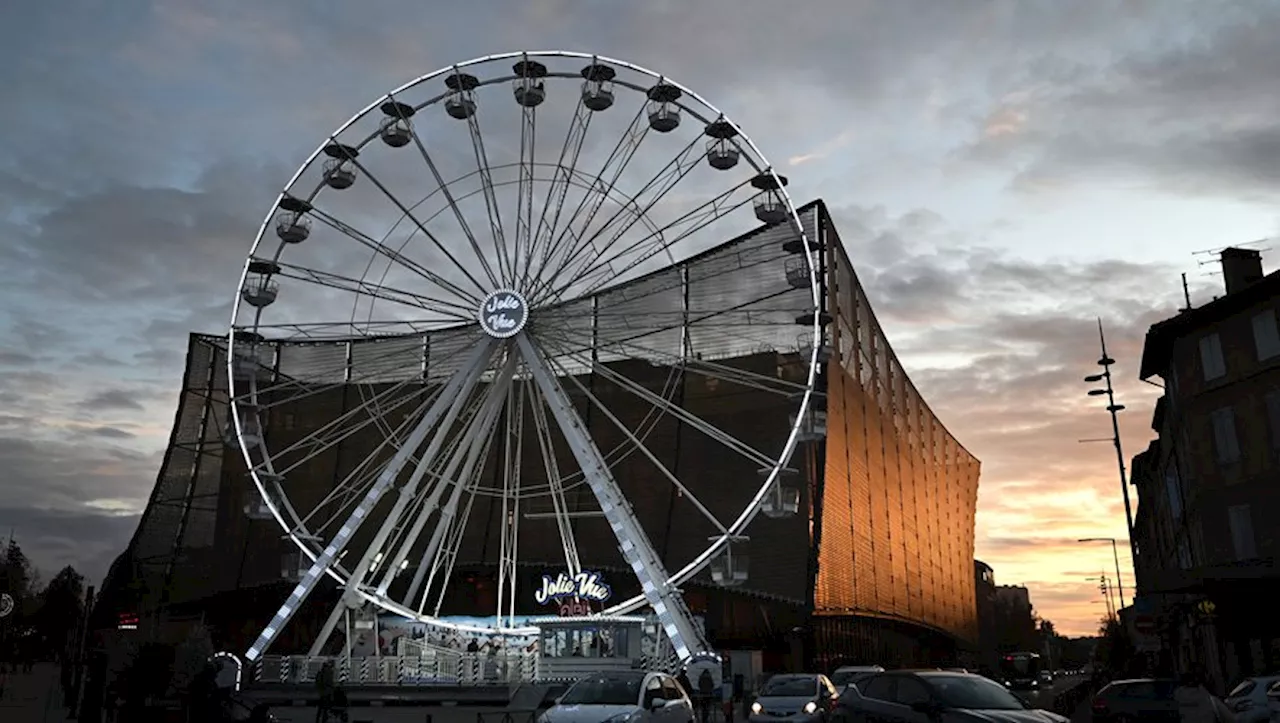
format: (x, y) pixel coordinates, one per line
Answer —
(847, 675)
(1248, 700)
(935, 696)
(1149, 700)
(633, 696)
(800, 698)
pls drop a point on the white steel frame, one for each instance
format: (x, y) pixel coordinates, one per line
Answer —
(522, 355)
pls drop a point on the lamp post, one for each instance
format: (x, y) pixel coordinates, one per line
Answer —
(1105, 362)
(1115, 554)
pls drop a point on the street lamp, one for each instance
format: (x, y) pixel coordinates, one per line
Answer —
(1114, 553)
(1105, 362)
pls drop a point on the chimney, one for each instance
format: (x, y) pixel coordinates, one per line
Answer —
(1240, 267)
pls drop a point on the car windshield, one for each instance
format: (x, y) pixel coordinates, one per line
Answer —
(603, 690)
(973, 692)
(790, 686)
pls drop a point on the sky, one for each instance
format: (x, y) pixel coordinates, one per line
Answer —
(1003, 173)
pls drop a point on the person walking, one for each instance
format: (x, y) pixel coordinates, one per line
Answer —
(326, 686)
(1196, 704)
(706, 694)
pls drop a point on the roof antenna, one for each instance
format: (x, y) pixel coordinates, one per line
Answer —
(1186, 295)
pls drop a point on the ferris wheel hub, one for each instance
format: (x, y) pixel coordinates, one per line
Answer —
(504, 313)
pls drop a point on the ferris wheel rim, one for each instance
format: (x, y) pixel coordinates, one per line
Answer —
(753, 506)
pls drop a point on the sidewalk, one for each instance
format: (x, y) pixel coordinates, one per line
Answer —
(34, 697)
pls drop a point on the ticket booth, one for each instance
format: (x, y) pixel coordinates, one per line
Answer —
(572, 647)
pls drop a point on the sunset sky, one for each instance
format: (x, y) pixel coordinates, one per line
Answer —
(1003, 172)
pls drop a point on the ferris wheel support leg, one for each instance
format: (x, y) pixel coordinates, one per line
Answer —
(666, 601)
(456, 400)
(454, 389)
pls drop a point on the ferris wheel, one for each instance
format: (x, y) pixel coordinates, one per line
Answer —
(491, 290)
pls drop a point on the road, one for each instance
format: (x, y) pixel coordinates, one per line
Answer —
(449, 714)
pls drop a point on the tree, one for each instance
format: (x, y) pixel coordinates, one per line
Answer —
(16, 580)
(1115, 652)
(61, 608)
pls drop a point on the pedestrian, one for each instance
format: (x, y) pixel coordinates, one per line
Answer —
(1196, 704)
(706, 692)
(326, 686)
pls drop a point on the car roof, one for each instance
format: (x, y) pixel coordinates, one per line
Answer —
(941, 673)
(794, 676)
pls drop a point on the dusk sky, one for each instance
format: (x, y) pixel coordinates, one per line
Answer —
(1002, 173)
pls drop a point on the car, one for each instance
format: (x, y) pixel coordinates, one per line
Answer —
(1273, 702)
(1146, 699)
(622, 697)
(936, 696)
(798, 697)
(1248, 700)
(847, 675)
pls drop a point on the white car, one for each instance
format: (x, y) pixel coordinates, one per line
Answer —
(1248, 700)
(622, 697)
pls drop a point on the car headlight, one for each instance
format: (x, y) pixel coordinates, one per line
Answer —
(757, 708)
(810, 707)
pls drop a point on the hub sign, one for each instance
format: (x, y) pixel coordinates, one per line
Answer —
(503, 313)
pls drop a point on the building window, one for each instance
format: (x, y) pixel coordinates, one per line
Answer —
(1242, 540)
(1273, 418)
(1173, 491)
(1224, 435)
(1211, 360)
(1266, 334)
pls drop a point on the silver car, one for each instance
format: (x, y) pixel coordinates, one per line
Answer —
(622, 697)
(802, 698)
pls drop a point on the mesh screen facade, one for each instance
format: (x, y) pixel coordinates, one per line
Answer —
(899, 493)
(892, 492)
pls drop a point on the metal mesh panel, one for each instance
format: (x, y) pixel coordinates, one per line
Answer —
(899, 492)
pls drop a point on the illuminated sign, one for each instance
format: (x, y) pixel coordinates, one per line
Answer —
(127, 621)
(585, 586)
(503, 314)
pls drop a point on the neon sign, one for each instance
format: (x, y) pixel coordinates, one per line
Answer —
(585, 586)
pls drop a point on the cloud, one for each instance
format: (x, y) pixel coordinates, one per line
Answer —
(52, 539)
(112, 399)
(127, 212)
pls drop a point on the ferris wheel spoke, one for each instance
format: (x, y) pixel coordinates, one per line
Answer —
(674, 232)
(523, 247)
(566, 169)
(394, 256)
(451, 203)
(559, 504)
(639, 206)
(338, 431)
(422, 228)
(462, 381)
(710, 430)
(414, 300)
(467, 444)
(639, 445)
(478, 440)
(302, 382)
(508, 546)
(437, 472)
(701, 367)
(505, 277)
(614, 166)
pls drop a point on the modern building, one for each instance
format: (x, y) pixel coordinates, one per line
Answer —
(877, 567)
(1209, 485)
(989, 628)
